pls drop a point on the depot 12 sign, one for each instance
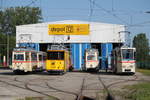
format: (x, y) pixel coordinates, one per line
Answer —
(68, 29)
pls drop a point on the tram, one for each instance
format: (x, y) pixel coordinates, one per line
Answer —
(91, 60)
(123, 60)
(58, 61)
(27, 60)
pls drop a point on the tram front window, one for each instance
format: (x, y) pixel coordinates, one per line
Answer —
(128, 54)
(55, 55)
(91, 57)
(19, 57)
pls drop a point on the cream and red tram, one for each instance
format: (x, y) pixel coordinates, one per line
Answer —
(91, 60)
(123, 60)
(27, 60)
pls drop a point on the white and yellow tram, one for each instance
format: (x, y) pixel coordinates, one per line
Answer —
(27, 60)
(91, 60)
(123, 60)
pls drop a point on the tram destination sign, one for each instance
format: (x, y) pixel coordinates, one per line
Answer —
(68, 29)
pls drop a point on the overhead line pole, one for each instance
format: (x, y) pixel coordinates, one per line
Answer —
(7, 49)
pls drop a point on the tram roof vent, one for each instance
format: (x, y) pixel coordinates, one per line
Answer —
(23, 49)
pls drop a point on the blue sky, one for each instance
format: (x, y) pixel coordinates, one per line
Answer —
(127, 12)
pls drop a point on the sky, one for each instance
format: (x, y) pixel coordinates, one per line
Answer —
(130, 13)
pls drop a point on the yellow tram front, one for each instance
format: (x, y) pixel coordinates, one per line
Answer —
(57, 61)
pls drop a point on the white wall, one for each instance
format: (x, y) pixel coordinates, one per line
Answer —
(99, 33)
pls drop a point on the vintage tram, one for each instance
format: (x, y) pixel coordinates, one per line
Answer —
(123, 60)
(58, 60)
(27, 60)
(91, 60)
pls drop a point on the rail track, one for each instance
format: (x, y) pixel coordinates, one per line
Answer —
(135, 77)
(26, 86)
(79, 95)
(59, 90)
(106, 88)
(110, 96)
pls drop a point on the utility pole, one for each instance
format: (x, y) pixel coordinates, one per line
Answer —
(8, 20)
(7, 49)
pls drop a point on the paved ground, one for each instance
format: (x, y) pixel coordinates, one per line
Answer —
(63, 87)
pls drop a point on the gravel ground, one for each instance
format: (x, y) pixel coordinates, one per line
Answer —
(63, 87)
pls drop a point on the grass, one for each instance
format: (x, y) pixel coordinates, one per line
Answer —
(144, 71)
(140, 91)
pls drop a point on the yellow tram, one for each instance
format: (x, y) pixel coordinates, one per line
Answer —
(58, 61)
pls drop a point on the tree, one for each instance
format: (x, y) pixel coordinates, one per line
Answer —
(10, 18)
(141, 43)
(2, 45)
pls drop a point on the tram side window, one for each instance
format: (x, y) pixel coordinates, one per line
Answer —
(44, 57)
(27, 56)
(33, 56)
(19, 57)
(40, 58)
(60, 55)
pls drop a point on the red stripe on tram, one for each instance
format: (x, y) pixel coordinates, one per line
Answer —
(126, 61)
(91, 61)
(27, 61)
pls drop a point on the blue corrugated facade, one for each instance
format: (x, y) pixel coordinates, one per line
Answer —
(106, 49)
(78, 50)
(77, 54)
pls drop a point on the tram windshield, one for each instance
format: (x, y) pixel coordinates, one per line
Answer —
(128, 54)
(91, 57)
(55, 55)
(19, 57)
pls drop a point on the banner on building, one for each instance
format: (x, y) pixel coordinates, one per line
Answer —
(68, 29)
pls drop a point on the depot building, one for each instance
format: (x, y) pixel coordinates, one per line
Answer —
(75, 35)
